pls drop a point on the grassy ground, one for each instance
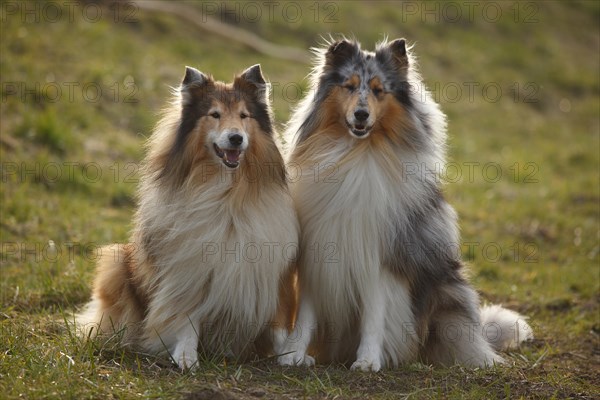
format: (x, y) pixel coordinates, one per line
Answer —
(80, 92)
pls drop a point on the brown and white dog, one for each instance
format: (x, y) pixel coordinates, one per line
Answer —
(381, 280)
(210, 262)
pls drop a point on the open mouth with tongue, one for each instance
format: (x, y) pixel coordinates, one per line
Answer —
(230, 157)
(358, 129)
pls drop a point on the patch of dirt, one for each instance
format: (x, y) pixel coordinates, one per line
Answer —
(211, 394)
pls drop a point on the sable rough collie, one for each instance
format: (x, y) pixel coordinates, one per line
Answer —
(210, 262)
(381, 281)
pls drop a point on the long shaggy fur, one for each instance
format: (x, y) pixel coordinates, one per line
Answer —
(210, 262)
(381, 279)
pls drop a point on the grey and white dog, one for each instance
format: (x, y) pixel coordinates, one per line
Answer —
(381, 280)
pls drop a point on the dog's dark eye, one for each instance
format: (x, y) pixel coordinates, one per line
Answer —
(350, 87)
(377, 91)
(243, 115)
(215, 115)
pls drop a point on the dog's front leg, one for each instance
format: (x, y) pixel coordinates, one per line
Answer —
(372, 325)
(294, 349)
(185, 353)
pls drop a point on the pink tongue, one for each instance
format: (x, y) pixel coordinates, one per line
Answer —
(232, 155)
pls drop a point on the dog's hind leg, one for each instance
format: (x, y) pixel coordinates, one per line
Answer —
(455, 330)
(115, 304)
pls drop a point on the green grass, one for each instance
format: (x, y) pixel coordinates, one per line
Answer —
(525, 184)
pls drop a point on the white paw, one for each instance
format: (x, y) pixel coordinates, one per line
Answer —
(296, 359)
(490, 361)
(186, 360)
(366, 365)
(279, 338)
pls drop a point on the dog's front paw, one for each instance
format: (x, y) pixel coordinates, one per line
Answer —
(186, 360)
(366, 365)
(297, 359)
(279, 338)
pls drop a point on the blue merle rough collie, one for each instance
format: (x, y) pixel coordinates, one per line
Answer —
(381, 282)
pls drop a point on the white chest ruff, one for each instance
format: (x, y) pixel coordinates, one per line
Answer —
(219, 266)
(346, 221)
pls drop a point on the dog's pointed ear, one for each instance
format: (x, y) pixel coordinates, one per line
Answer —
(193, 77)
(254, 75)
(397, 49)
(253, 84)
(193, 84)
(253, 81)
(339, 52)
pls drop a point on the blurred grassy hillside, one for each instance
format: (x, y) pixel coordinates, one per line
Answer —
(82, 85)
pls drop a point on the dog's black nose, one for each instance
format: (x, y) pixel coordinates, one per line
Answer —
(236, 139)
(361, 115)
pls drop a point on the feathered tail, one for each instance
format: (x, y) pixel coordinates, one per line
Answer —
(504, 329)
